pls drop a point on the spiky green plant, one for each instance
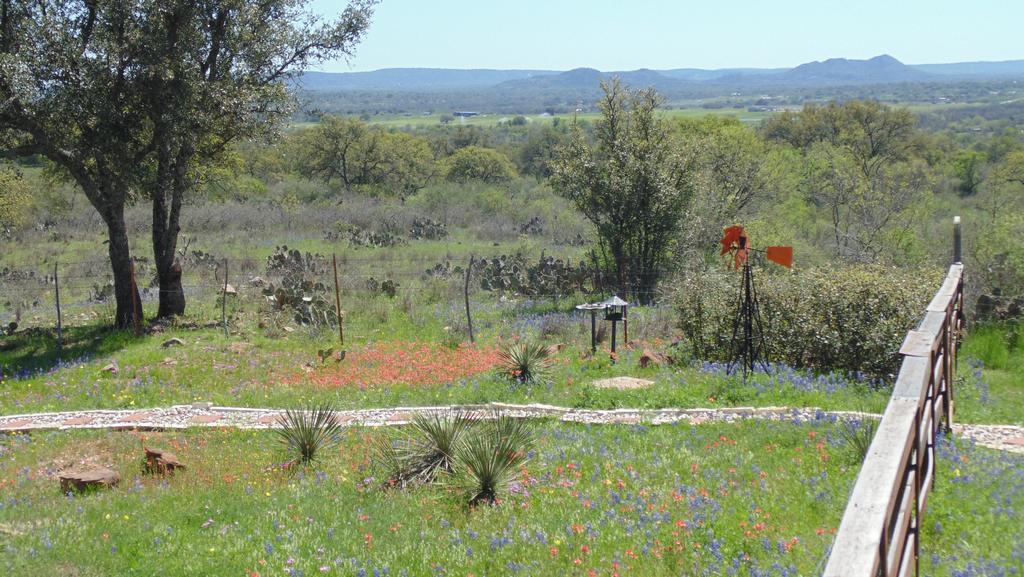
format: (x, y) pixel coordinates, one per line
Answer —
(526, 363)
(426, 451)
(857, 435)
(306, 433)
(488, 461)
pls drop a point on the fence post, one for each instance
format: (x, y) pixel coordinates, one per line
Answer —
(957, 251)
(136, 301)
(224, 300)
(60, 328)
(337, 301)
(469, 317)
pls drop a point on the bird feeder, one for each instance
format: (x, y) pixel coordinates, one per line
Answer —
(614, 311)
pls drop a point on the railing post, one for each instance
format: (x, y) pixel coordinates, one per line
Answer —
(957, 250)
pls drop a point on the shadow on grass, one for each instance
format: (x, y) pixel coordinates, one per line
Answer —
(35, 350)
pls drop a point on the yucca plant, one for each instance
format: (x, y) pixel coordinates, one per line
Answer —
(306, 433)
(426, 451)
(857, 435)
(526, 363)
(488, 461)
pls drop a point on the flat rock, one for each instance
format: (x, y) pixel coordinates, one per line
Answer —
(623, 383)
(160, 461)
(87, 479)
(175, 342)
(651, 358)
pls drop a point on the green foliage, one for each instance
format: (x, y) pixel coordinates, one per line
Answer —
(526, 363)
(968, 166)
(477, 163)
(632, 185)
(872, 133)
(307, 433)
(357, 155)
(731, 168)
(850, 318)
(488, 462)
(426, 452)
(16, 202)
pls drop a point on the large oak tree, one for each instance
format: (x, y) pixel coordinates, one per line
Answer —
(132, 98)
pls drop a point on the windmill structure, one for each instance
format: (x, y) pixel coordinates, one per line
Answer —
(748, 349)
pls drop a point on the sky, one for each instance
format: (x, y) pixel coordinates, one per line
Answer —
(660, 34)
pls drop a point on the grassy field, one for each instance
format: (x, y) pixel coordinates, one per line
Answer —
(417, 120)
(403, 363)
(740, 499)
(592, 501)
(490, 120)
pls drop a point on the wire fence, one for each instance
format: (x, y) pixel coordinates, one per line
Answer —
(29, 290)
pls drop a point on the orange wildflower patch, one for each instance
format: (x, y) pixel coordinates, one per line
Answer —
(395, 363)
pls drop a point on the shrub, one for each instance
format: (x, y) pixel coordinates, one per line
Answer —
(426, 452)
(526, 363)
(852, 318)
(477, 163)
(488, 462)
(306, 433)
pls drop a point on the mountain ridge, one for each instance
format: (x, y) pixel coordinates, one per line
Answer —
(880, 69)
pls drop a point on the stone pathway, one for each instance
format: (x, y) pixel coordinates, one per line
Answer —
(1003, 437)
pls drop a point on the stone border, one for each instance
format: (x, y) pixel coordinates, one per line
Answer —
(1003, 437)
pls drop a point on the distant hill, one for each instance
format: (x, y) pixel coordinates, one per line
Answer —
(1008, 68)
(590, 79)
(882, 69)
(700, 74)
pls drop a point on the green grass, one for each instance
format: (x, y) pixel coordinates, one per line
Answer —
(650, 501)
(972, 526)
(991, 368)
(256, 370)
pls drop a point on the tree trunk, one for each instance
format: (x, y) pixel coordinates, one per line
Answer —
(126, 293)
(168, 270)
(172, 181)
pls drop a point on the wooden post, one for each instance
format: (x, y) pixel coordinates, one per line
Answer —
(957, 251)
(337, 301)
(56, 290)
(625, 325)
(465, 292)
(224, 300)
(593, 331)
(136, 303)
(613, 336)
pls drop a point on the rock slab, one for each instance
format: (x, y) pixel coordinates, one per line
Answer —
(160, 461)
(87, 479)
